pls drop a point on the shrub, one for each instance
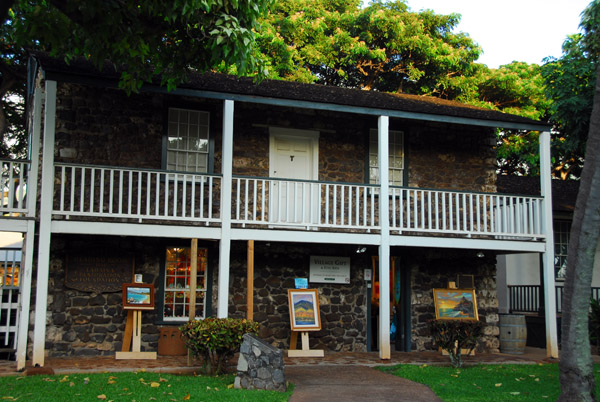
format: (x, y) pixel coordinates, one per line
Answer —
(455, 335)
(215, 340)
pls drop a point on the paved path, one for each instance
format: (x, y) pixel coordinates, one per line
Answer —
(352, 383)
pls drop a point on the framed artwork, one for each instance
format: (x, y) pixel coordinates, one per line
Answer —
(304, 310)
(138, 296)
(455, 304)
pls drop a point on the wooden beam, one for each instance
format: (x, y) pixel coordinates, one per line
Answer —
(250, 280)
(193, 279)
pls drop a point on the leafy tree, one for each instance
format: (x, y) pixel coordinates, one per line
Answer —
(383, 47)
(576, 368)
(147, 40)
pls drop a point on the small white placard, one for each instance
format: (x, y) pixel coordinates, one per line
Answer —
(368, 275)
(329, 269)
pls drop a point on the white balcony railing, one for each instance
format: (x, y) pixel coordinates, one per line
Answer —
(267, 201)
(107, 192)
(13, 182)
(455, 212)
(136, 194)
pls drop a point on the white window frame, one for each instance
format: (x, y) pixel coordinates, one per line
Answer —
(397, 156)
(177, 274)
(187, 125)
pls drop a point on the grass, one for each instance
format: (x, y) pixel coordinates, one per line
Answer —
(131, 386)
(508, 382)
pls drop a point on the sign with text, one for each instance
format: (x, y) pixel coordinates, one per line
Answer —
(98, 272)
(329, 269)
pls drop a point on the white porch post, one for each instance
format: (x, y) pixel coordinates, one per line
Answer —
(43, 263)
(548, 255)
(384, 247)
(32, 183)
(226, 188)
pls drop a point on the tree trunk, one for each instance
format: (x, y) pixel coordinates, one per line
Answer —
(576, 366)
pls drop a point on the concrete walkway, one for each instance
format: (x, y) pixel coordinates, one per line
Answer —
(350, 383)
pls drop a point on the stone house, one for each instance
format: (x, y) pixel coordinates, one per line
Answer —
(399, 189)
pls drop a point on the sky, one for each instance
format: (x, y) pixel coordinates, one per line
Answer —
(512, 30)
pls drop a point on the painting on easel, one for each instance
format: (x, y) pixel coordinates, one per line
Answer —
(304, 310)
(138, 296)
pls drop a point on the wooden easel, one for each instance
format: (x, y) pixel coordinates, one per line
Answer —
(133, 338)
(305, 351)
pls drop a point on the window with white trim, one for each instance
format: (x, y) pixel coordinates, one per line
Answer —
(176, 303)
(396, 158)
(187, 140)
(562, 231)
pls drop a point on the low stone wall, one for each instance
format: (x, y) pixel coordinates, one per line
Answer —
(260, 366)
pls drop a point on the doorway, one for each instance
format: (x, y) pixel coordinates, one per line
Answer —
(400, 314)
(293, 155)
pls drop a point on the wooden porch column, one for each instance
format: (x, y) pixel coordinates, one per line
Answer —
(43, 261)
(250, 280)
(384, 247)
(226, 188)
(193, 278)
(548, 254)
(27, 268)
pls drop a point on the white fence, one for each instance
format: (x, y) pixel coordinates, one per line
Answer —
(455, 212)
(264, 201)
(136, 194)
(10, 269)
(177, 196)
(13, 182)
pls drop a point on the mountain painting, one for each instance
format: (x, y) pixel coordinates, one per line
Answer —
(455, 304)
(304, 309)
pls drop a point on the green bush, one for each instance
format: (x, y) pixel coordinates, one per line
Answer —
(215, 340)
(455, 335)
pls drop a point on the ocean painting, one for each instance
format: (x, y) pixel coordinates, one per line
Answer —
(455, 304)
(138, 295)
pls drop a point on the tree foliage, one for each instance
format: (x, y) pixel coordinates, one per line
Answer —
(146, 40)
(383, 47)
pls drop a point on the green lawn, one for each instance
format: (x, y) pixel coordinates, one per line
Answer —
(508, 382)
(136, 386)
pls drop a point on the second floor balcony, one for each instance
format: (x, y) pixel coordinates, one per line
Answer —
(125, 195)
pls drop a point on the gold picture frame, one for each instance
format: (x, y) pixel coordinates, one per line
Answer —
(455, 304)
(304, 309)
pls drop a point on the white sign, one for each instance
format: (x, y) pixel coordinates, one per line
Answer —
(329, 269)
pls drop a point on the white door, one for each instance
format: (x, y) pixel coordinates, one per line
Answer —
(294, 156)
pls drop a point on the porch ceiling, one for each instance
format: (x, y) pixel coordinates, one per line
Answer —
(311, 96)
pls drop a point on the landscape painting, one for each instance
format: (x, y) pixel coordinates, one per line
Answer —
(455, 304)
(138, 296)
(304, 310)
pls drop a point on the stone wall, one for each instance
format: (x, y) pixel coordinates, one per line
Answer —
(106, 127)
(343, 307)
(431, 268)
(88, 323)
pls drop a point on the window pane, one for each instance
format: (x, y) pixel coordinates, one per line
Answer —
(396, 157)
(187, 148)
(177, 282)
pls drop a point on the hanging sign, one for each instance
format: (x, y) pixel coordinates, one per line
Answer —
(329, 269)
